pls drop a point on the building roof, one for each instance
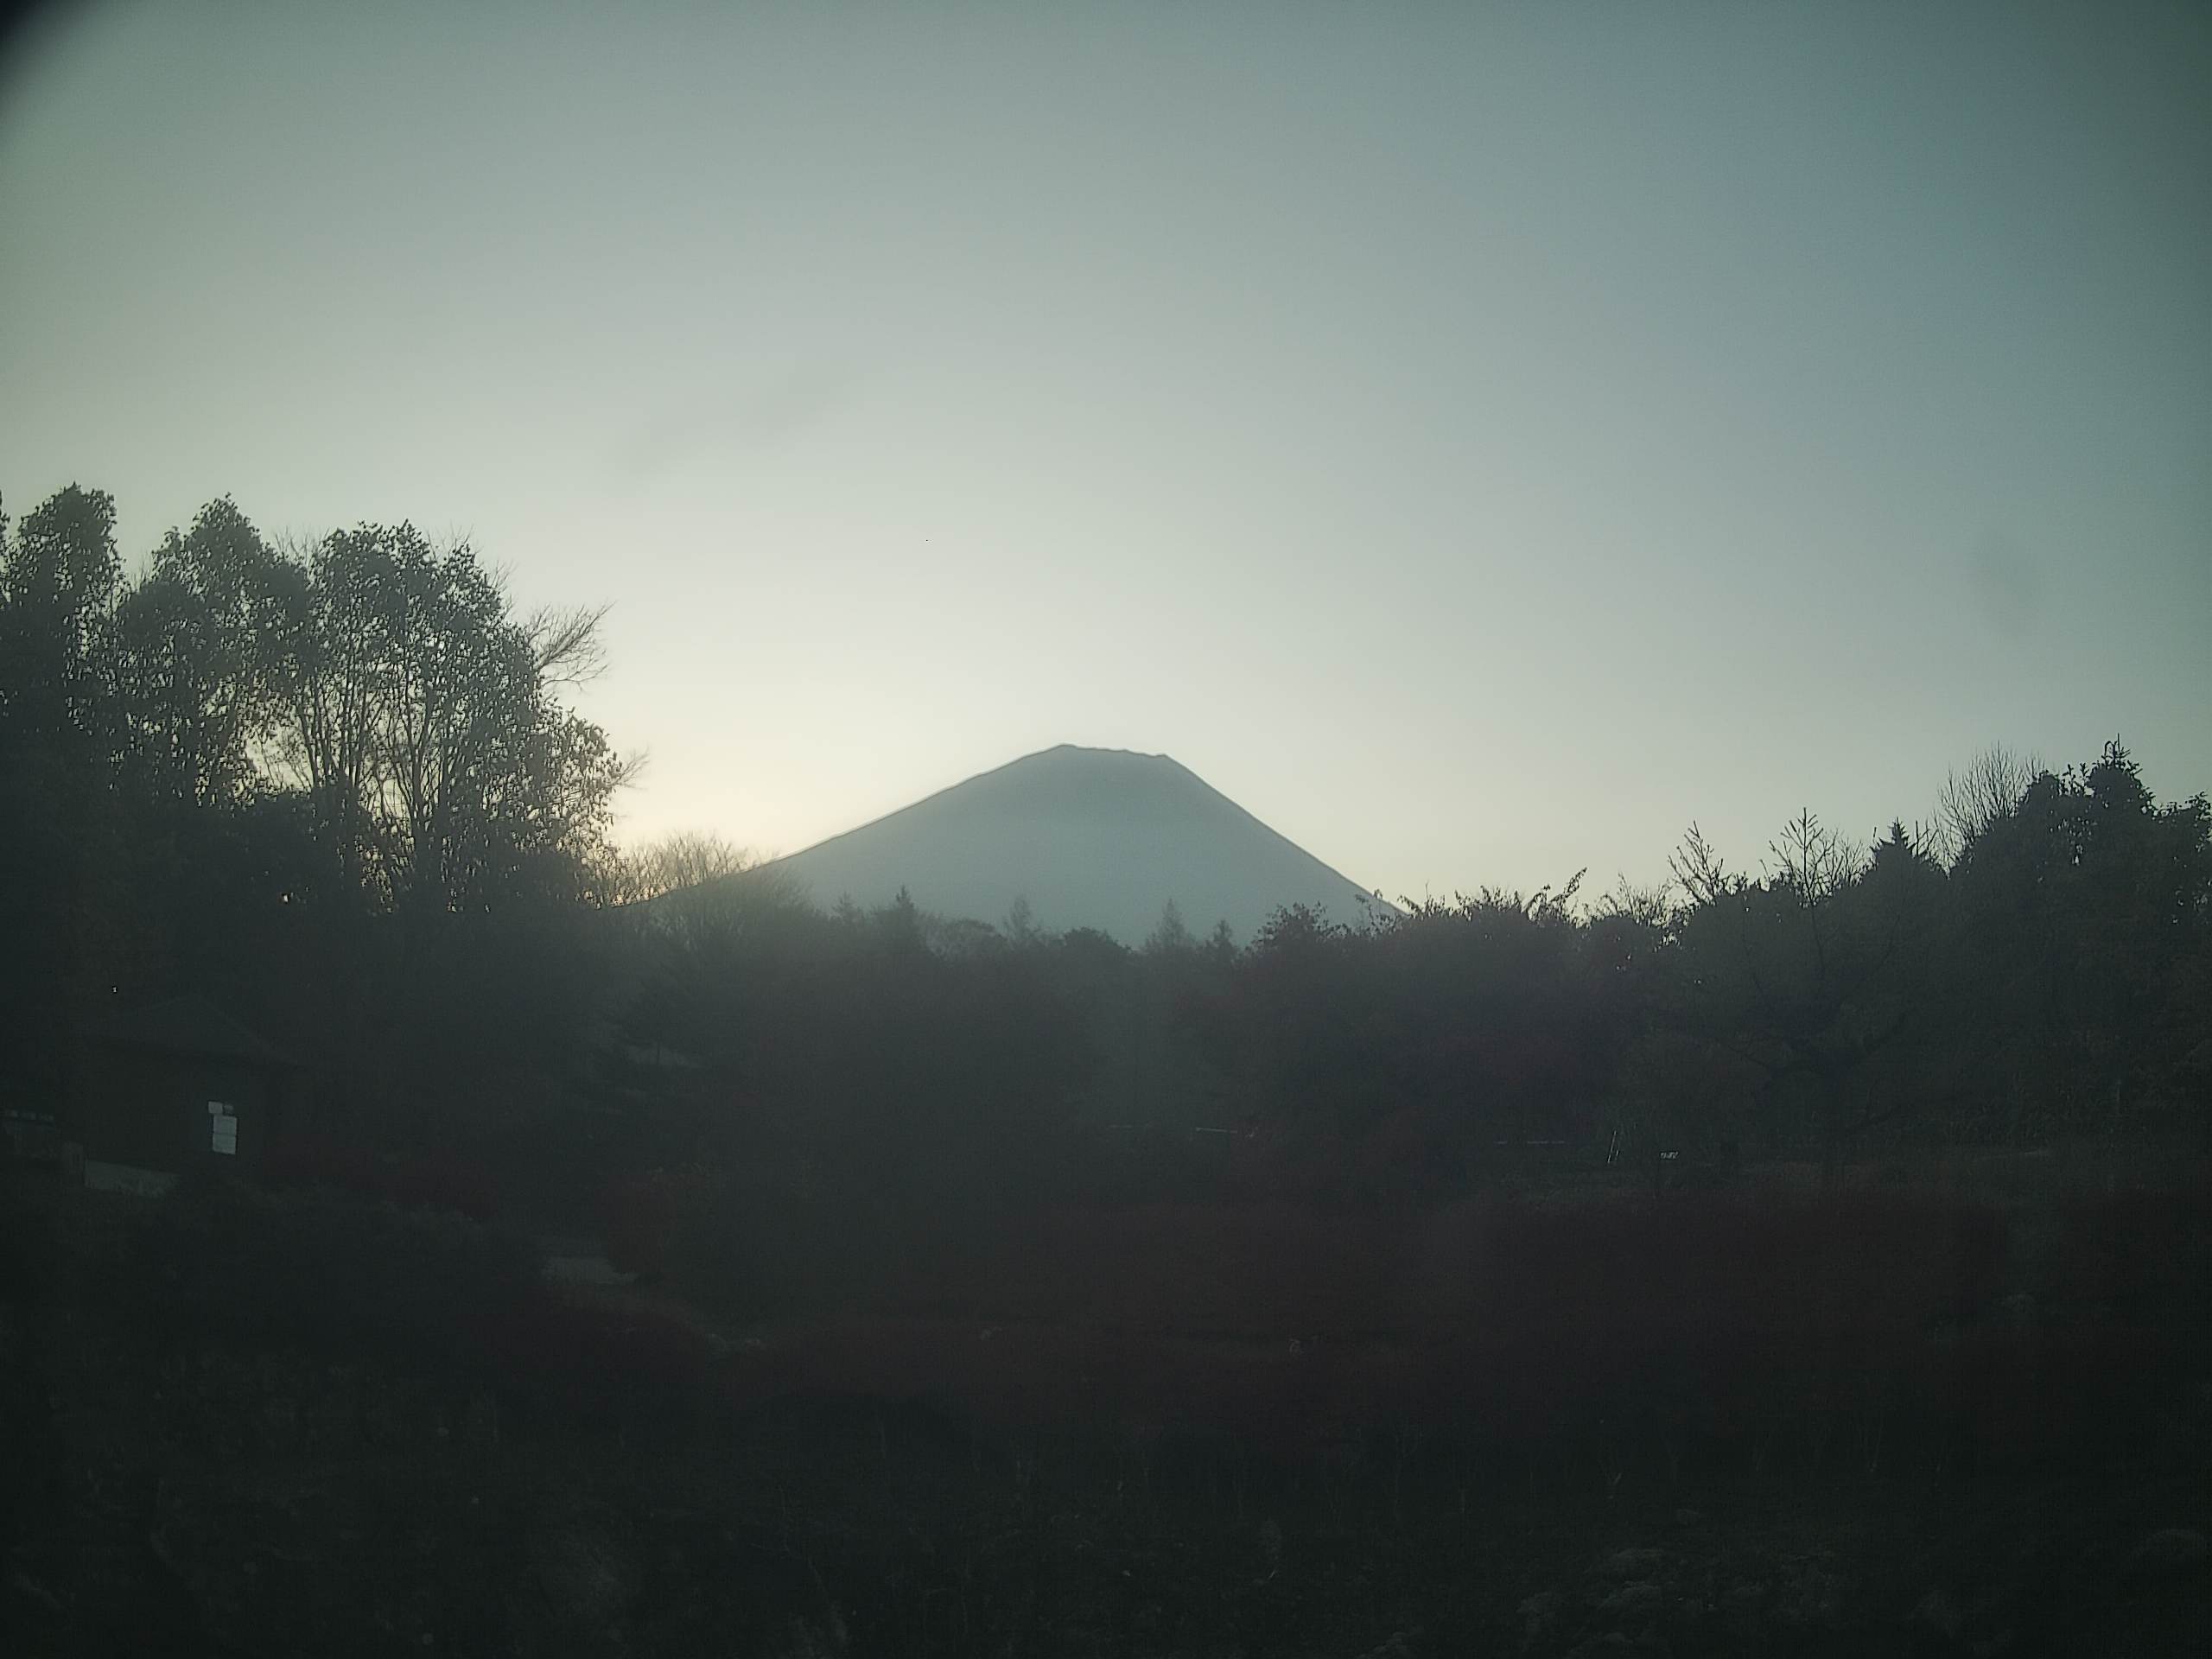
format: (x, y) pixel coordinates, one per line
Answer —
(188, 1024)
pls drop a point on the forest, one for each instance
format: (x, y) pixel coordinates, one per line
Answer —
(341, 788)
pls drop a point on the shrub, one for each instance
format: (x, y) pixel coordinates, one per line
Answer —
(645, 1218)
(763, 1246)
(323, 1269)
(586, 1354)
(2138, 1251)
(430, 1180)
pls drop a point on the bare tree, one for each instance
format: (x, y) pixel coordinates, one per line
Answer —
(566, 643)
(1700, 870)
(703, 890)
(1975, 796)
(1813, 861)
(683, 859)
(1021, 926)
(1650, 907)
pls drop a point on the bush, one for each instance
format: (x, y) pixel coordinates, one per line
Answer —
(325, 1270)
(761, 1246)
(646, 1219)
(589, 1357)
(2138, 1251)
(1719, 1320)
(430, 1180)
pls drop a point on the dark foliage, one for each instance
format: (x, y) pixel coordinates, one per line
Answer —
(1365, 1215)
(338, 789)
(340, 1274)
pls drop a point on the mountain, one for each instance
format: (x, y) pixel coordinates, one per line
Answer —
(1100, 838)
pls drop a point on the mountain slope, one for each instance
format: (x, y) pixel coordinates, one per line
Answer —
(1100, 838)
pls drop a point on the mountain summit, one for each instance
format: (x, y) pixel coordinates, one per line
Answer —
(1100, 838)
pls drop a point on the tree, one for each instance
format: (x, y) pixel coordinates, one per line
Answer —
(680, 859)
(2084, 908)
(1298, 1033)
(1020, 928)
(422, 717)
(703, 891)
(1170, 936)
(1700, 871)
(193, 662)
(897, 927)
(1800, 976)
(58, 576)
(1976, 796)
(1496, 1011)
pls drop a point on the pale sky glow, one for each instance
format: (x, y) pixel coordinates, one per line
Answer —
(1476, 441)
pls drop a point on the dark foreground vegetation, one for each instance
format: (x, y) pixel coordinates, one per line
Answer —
(1970, 1419)
(1807, 1259)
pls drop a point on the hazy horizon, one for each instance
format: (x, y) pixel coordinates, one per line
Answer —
(1478, 443)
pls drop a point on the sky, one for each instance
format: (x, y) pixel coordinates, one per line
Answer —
(1478, 441)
